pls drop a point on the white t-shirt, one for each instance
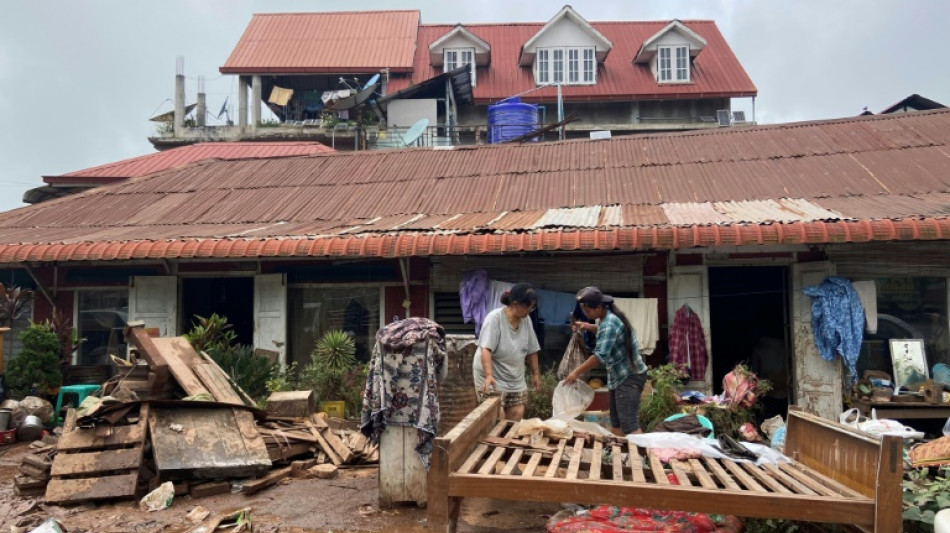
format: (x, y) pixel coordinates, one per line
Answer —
(509, 347)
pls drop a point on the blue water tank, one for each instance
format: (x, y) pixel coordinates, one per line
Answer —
(510, 119)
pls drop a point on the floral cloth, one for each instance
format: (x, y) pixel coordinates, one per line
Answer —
(402, 385)
(837, 320)
(608, 519)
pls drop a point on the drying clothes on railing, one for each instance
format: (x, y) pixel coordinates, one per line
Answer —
(688, 343)
(402, 387)
(473, 296)
(837, 320)
(643, 316)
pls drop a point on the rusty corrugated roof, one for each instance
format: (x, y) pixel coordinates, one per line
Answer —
(715, 73)
(176, 157)
(343, 41)
(859, 179)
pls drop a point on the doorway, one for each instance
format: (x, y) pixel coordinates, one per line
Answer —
(748, 309)
(229, 297)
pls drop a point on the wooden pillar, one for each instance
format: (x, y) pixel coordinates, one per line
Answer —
(2, 365)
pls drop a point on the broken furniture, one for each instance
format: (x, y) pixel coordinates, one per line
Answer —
(837, 475)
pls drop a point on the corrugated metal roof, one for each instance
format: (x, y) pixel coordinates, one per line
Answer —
(874, 178)
(344, 41)
(716, 72)
(176, 157)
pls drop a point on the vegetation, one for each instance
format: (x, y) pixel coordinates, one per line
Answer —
(539, 403)
(333, 373)
(926, 491)
(335, 351)
(62, 326)
(664, 401)
(36, 367)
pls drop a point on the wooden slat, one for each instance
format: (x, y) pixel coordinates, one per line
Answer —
(91, 489)
(86, 439)
(617, 459)
(636, 464)
(595, 460)
(497, 453)
(765, 479)
(679, 470)
(97, 462)
(720, 473)
(556, 459)
(656, 466)
(702, 475)
(180, 356)
(325, 446)
(812, 483)
(481, 449)
(787, 480)
(216, 384)
(743, 476)
(534, 460)
(832, 484)
(247, 400)
(512, 462)
(576, 454)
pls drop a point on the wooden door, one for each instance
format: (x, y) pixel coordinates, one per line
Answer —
(816, 383)
(270, 314)
(154, 300)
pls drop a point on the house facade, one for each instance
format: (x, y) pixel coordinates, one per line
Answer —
(619, 76)
(733, 223)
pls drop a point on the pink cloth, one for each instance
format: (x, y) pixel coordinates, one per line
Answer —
(688, 343)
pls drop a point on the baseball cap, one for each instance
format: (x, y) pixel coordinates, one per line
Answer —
(592, 297)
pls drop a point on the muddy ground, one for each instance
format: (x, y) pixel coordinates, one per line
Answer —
(345, 504)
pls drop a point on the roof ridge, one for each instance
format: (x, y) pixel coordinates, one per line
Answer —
(348, 12)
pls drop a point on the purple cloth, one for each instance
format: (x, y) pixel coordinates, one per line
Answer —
(473, 295)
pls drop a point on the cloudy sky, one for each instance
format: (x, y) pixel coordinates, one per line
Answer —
(79, 80)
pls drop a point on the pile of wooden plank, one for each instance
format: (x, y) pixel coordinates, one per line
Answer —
(202, 429)
(34, 472)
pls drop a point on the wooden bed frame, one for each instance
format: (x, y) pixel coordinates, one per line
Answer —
(837, 475)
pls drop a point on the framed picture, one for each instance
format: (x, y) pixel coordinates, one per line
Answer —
(910, 362)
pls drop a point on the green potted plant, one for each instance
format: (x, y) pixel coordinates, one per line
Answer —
(331, 362)
(37, 365)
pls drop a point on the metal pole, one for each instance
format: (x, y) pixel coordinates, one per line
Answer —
(560, 112)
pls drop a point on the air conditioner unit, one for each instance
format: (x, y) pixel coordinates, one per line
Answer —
(738, 117)
(724, 117)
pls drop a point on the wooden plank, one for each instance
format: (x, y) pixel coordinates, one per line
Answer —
(334, 458)
(481, 449)
(253, 442)
(33, 472)
(744, 477)
(702, 475)
(280, 453)
(297, 403)
(656, 466)
(40, 463)
(636, 463)
(86, 439)
(113, 487)
(765, 479)
(576, 454)
(828, 484)
(617, 460)
(402, 475)
(787, 480)
(212, 488)
(339, 447)
(596, 459)
(720, 473)
(257, 485)
(888, 510)
(534, 460)
(512, 462)
(556, 459)
(679, 471)
(140, 339)
(180, 357)
(109, 461)
(497, 453)
(245, 396)
(463, 438)
(216, 384)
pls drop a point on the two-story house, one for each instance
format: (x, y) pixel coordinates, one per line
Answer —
(621, 76)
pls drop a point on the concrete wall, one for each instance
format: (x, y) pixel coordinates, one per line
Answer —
(564, 33)
(405, 113)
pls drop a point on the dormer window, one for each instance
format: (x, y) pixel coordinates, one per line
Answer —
(565, 65)
(457, 57)
(672, 63)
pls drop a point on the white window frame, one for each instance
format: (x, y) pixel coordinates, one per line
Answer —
(566, 65)
(452, 58)
(672, 64)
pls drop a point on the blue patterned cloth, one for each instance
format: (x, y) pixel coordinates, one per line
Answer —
(837, 320)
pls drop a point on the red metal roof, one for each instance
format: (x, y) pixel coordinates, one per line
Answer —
(176, 157)
(350, 41)
(861, 179)
(716, 72)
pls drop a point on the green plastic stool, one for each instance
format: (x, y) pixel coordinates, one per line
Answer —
(80, 391)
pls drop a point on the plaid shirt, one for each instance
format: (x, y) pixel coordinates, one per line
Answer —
(612, 353)
(688, 343)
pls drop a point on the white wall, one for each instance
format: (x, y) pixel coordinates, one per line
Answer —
(564, 33)
(405, 113)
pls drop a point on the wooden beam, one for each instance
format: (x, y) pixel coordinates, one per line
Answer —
(137, 336)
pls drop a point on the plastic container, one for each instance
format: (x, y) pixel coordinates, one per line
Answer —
(8, 436)
(335, 408)
(510, 119)
(5, 419)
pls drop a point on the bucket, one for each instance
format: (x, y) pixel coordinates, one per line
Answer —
(5, 418)
(335, 408)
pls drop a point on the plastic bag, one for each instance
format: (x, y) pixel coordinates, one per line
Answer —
(33, 405)
(158, 499)
(574, 355)
(570, 401)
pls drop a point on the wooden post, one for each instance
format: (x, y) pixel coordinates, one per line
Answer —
(2, 331)
(890, 475)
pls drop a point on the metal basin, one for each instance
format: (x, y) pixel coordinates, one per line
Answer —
(30, 429)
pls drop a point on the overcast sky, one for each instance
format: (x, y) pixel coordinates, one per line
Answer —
(79, 80)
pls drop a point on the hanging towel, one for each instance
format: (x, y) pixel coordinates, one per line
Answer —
(867, 294)
(473, 296)
(643, 316)
(495, 290)
(837, 321)
(688, 343)
(555, 307)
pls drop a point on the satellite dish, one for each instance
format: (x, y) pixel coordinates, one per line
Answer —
(372, 81)
(415, 131)
(353, 100)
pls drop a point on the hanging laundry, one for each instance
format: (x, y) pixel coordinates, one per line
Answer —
(280, 96)
(837, 320)
(495, 290)
(555, 307)
(402, 385)
(867, 294)
(473, 296)
(688, 343)
(643, 316)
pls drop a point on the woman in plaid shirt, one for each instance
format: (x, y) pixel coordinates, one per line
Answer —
(618, 351)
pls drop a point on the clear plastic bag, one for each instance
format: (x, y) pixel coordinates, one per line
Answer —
(570, 401)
